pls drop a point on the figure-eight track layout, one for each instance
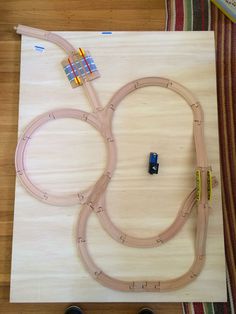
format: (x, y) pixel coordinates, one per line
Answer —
(80, 70)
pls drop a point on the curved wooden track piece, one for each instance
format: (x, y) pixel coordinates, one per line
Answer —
(93, 198)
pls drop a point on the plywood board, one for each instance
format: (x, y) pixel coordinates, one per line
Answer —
(68, 155)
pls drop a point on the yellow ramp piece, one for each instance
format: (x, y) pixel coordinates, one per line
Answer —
(198, 185)
(209, 185)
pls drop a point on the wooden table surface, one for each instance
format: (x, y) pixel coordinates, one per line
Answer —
(56, 15)
(68, 155)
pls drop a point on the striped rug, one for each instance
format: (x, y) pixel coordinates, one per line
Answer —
(202, 15)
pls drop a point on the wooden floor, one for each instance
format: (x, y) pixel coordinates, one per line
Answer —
(54, 15)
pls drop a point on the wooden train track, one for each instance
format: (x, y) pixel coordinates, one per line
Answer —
(93, 198)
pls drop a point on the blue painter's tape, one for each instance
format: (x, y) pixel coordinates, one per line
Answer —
(39, 48)
(106, 33)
